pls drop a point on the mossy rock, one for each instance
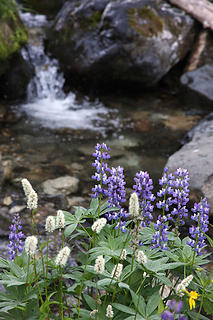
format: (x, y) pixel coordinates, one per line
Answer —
(13, 34)
(48, 7)
(145, 21)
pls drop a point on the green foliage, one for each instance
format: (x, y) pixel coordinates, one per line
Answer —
(37, 287)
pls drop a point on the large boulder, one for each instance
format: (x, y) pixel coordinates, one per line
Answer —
(137, 40)
(197, 157)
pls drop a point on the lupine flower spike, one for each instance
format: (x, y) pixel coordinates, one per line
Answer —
(143, 186)
(117, 196)
(160, 238)
(201, 216)
(101, 153)
(16, 236)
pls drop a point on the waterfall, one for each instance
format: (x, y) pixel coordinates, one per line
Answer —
(46, 101)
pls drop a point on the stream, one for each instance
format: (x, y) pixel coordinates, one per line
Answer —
(53, 133)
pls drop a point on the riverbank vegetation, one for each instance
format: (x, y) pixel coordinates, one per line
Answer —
(131, 263)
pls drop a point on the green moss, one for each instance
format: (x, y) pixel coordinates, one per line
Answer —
(95, 19)
(12, 36)
(8, 9)
(145, 21)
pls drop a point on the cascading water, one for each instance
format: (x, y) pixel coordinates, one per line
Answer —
(46, 101)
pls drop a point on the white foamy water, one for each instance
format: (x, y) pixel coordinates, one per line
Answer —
(46, 101)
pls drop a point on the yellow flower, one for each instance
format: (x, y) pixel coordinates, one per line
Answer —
(193, 295)
(199, 269)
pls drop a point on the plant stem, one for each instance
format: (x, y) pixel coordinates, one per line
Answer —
(61, 295)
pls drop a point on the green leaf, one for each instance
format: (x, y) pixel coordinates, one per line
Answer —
(210, 240)
(90, 301)
(123, 308)
(69, 230)
(123, 285)
(139, 303)
(138, 317)
(160, 306)
(152, 303)
(208, 306)
(3, 263)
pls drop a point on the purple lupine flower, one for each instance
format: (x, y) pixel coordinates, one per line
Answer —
(16, 244)
(143, 186)
(101, 154)
(201, 216)
(160, 238)
(166, 192)
(175, 307)
(167, 315)
(116, 196)
(180, 197)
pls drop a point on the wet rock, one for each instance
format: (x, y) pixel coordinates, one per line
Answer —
(199, 84)
(49, 7)
(76, 201)
(138, 40)
(197, 157)
(14, 82)
(13, 35)
(62, 185)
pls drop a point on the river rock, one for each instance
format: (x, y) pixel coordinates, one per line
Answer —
(137, 40)
(199, 84)
(197, 157)
(62, 185)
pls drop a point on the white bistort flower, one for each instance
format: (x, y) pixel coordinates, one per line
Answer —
(60, 220)
(184, 284)
(109, 312)
(134, 205)
(32, 200)
(31, 245)
(116, 272)
(123, 254)
(50, 224)
(62, 257)
(93, 312)
(26, 187)
(141, 257)
(99, 265)
(99, 224)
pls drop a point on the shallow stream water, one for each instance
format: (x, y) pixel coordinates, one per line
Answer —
(53, 134)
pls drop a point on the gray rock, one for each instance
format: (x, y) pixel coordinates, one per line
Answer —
(200, 82)
(197, 157)
(62, 185)
(137, 40)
